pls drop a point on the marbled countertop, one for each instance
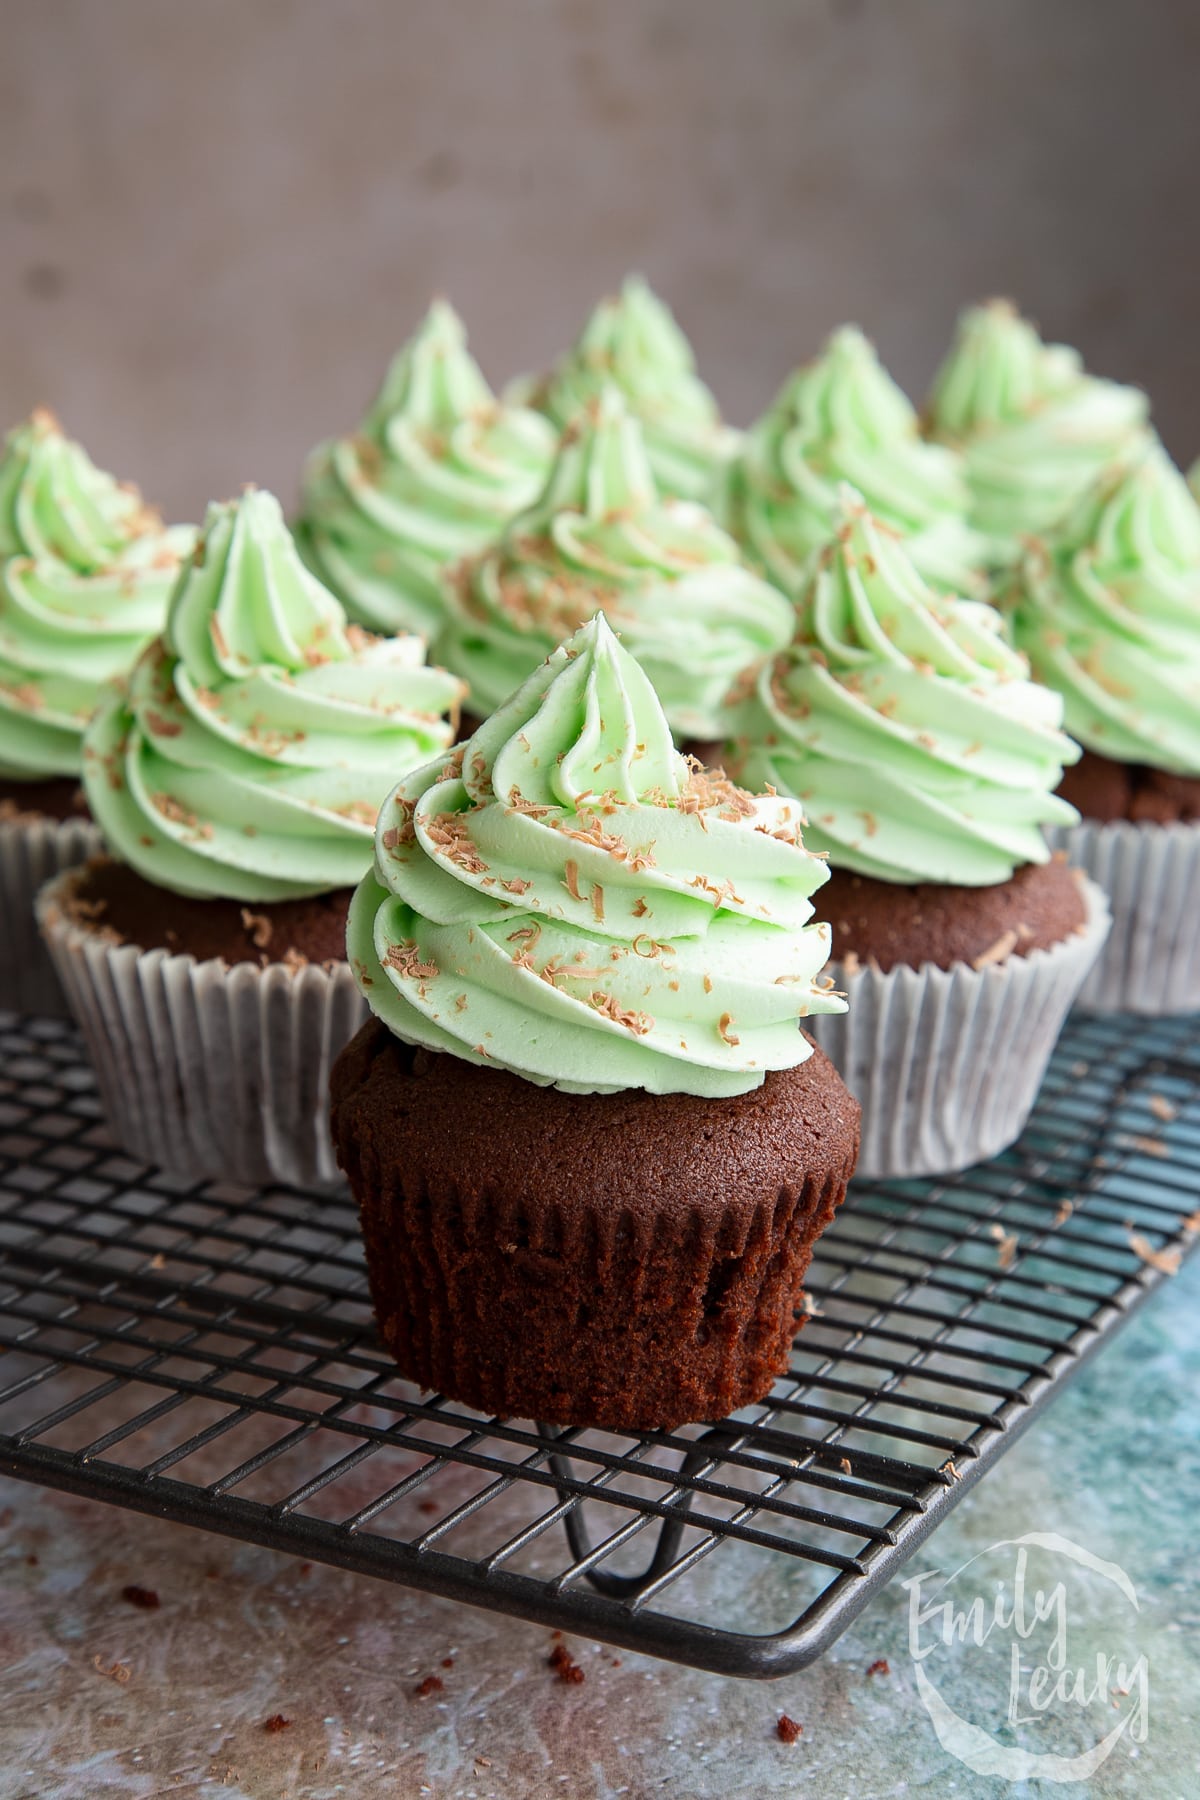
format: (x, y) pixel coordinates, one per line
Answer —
(101, 1697)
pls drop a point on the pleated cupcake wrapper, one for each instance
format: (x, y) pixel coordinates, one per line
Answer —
(31, 852)
(207, 1069)
(947, 1063)
(1151, 874)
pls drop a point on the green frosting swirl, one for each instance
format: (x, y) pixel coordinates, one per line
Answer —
(632, 342)
(1109, 615)
(1036, 429)
(85, 571)
(247, 754)
(843, 419)
(437, 468)
(904, 723)
(669, 580)
(568, 898)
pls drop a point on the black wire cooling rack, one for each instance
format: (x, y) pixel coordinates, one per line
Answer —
(208, 1355)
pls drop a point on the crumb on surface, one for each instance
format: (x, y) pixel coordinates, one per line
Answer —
(144, 1597)
(787, 1730)
(276, 1722)
(432, 1684)
(880, 1666)
(564, 1665)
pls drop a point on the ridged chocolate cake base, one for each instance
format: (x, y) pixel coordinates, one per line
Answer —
(627, 1260)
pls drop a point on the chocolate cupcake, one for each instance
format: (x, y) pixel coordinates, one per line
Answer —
(668, 579)
(85, 572)
(843, 419)
(1108, 612)
(590, 1144)
(925, 761)
(237, 773)
(436, 469)
(633, 342)
(1034, 427)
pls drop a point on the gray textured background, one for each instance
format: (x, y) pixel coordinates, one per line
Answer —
(219, 217)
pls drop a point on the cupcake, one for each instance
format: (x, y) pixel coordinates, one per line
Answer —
(237, 773)
(85, 571)
(633, 343)
(926, 763)
(590, 1145)
(437, 468)
(843, 419)
(1108, 612)
(1034, 427)
(669, 580)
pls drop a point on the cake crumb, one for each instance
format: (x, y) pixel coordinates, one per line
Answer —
(787, 1730)
(1065, 1209)
(1165, 1261)
(949, 1468)
(880, 1666)
(276, 1722)
(1162, 1108)
(432, 1684)
(844, 1464)
(144, 1597)
(564, 1665)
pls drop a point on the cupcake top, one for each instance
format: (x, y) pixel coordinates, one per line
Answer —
(246, 755)
(843, 418)
(669, 580)
(85, 571)
(1108, 612)
(633, 342)
(1035, 427)
(568, 898)
(904, 723)
(435, 470)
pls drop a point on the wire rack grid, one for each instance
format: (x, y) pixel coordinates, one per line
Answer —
(208, 1355)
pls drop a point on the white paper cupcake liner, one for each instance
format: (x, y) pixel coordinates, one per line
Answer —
(1151, 874)
(204, 1068)
(947, 1063)
(32, 850)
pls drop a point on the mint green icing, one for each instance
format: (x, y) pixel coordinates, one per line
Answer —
(669, 580)
(246, 756)
(843, 419)
(568, 898)
(437, 468)
(904, 723)
(1036, 429)
(1108, 612)
(632, 342)
(85, 571)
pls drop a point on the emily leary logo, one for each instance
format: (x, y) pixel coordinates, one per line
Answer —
(1003, 1621)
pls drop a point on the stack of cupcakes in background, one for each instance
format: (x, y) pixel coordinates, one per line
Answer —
(85, 571)
(926, 763)
(669, 580)
(842, 419)
(591, 1147)
(237, 773)
(1034, 428)
(437, 468)
(633, 343)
